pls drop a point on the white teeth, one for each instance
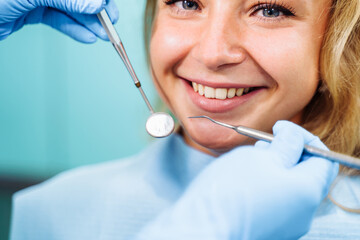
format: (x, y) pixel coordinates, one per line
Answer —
(209, 92)
(239, 92)
(231, 93)
(201, 89)
(221, 93)
(195, 86)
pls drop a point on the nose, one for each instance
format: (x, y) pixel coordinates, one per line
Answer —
(220, 44)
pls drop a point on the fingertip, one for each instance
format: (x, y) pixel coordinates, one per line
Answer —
(91, 39)
(83, 35)
(288, 143)
(85, 38)
(316, 142)
(99, 31)
(68, 26)
(113, 11)
(93, 6)
(262, 144)
(287, 132)
(115, 16)
(103, 36)
(308, 137)
(92, 24)
(281, 124)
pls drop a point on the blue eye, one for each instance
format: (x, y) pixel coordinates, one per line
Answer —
(271, 12)
(190, 5)
(184, 4)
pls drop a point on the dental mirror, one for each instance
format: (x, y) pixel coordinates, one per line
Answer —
(158, 125)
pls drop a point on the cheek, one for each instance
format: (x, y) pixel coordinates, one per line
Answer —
(168, 46)
(291, 58)
(160, 46)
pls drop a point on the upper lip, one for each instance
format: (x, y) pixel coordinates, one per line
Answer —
(222, 84)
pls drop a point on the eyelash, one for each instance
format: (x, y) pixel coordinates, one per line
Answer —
(287, 11)
(171, 2)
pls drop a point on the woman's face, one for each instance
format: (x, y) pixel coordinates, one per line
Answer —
(252, 63)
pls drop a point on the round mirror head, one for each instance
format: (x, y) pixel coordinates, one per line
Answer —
(160, 125)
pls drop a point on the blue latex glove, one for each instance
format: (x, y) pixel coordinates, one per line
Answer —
(252, 192)
(76, 18)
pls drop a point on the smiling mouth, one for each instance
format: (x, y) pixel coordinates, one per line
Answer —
(220, 93)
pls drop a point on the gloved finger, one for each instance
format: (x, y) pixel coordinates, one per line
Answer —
(288, 143)
(5, 30)
(112, 11)
(92, 22)
(319, 169)
(10, 11)
(262, 144)
(71, 6)
(308, 136)
(68, 26)
(31, 17)
(315, 142)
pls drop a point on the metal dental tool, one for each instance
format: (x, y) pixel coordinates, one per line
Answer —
(259, 135)
(158, 124)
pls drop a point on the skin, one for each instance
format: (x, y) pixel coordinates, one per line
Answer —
(226, 42)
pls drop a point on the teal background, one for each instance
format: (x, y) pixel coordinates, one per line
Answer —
(65, 104)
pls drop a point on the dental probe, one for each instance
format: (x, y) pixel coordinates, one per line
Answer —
(158, 124)
(259, 135)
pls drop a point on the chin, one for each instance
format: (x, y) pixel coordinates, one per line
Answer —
(214, 138)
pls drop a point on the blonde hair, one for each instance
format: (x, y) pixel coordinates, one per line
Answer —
(333, 114)
(150, 12)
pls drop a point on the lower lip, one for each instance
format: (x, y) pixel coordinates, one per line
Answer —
(216, 105)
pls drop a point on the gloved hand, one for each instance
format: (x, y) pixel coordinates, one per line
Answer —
(252, 192)
(75, 18)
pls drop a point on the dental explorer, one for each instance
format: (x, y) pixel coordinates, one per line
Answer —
(267, 137)
(158, 124)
